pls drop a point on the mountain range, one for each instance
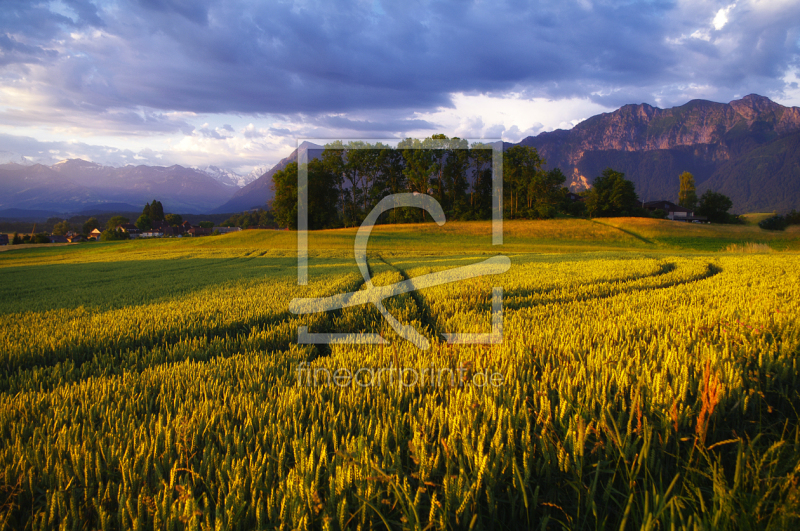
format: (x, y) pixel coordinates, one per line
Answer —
(77, 185)
(748, 149)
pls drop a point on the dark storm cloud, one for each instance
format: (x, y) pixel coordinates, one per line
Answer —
(14, 51)
(392, 126)
(279, 131)
(323, 57)
(126, 122)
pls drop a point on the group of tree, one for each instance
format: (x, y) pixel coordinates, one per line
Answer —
(41, 237)
(246, 220)
(112, 231)
(153, 213)
(63, 227)
(346, 182)
(713, 205)
(529, 190)
(153, 216)
(780, 222)
(612, 195)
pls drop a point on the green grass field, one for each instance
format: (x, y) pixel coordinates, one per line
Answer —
(647, 379)
(754, 217)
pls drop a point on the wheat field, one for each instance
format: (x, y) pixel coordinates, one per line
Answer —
(159, 385)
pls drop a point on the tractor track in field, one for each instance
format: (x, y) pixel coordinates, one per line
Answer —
(423, 310)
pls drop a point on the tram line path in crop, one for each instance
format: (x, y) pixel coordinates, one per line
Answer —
(626, 231)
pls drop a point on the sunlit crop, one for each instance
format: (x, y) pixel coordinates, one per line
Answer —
(640, 391)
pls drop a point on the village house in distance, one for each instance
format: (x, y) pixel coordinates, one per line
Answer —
(161, 229)
(674, 212)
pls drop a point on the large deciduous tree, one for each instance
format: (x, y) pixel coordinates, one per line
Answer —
(322, 196)
(144, 223)
(115, 222)
(611, 195)
(61, 228)
(715, 207)
(90, 225)
(173, 220)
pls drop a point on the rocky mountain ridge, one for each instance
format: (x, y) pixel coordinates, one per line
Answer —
(652, 146)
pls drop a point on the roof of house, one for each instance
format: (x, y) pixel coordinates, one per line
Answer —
(572, 196)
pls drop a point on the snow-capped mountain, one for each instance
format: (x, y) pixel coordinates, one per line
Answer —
(256, 172)
(231, 178)
(11, 157)
(222, 176)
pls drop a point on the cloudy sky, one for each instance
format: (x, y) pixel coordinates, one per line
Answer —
(235, 83)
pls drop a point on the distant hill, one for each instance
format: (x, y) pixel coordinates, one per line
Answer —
(102, 208)
(16, 214)
(259, 192)
(76, 185)
(746, 149)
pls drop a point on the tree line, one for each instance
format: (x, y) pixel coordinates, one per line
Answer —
(348, 180)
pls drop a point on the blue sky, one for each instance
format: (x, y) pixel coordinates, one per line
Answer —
(235, 83)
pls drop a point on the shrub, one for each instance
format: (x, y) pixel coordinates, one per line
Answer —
(542, 211)
(113, 235)
(773, 223)
(578, 209)
(749, 247)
